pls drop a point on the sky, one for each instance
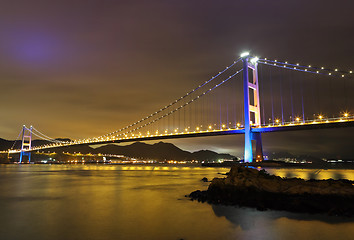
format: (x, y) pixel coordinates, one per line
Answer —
(79, 69)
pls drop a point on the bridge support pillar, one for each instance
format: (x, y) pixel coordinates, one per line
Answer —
(249, 137)
(248, 155)
(251, 107)
(26, 143)
(259, 149)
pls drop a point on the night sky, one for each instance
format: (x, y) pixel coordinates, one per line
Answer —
(80, 69)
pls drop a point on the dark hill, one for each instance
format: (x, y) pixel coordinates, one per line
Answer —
(5, 144)
(207, 155)
(85, 149)
(159, 151)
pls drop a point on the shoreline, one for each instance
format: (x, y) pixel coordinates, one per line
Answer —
(283, 165)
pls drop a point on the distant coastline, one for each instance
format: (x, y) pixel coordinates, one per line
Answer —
(161, 152)
(280, 164)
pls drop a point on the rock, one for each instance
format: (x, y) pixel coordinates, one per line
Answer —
(252, 188)
(204, 179)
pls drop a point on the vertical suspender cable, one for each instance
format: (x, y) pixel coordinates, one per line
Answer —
(271, 93)
(313, 98)
(184, 116)
(318, 95)
(220, 118)
(168, 123)
(227, 114)
(197, 113)
(234, 100)
(331, 95)
(345, 95)
(281, 97)
(291, 97)
(215, 111)
(203, 112)
(302, 100)
(179, 119)
(262, 94)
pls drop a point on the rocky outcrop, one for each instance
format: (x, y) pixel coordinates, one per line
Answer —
(204, 179)
(252, 188)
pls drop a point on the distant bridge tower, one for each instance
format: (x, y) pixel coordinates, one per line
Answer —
(26, 143)
(251, 107)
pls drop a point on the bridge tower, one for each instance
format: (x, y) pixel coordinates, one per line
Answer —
(251, 107)
(26, 143)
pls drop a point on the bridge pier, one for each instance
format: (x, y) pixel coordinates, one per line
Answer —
(249, 137)
(259, 148)
(22, 154)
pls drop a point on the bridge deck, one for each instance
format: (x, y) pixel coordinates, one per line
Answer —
(262, 129)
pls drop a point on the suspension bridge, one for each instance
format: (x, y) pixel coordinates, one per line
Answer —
(251, 96)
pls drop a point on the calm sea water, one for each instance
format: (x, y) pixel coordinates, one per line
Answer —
(143, 202)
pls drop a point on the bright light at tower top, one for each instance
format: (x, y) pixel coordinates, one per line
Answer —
(254, 60)
(244, 54)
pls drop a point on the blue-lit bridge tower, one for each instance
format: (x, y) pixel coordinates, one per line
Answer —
(26, 143)
(251, 108)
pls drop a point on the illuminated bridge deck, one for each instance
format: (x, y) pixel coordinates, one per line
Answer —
(308, 125)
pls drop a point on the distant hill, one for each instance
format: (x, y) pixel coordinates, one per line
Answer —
(210, 155)
(159, 151)
(5, 144)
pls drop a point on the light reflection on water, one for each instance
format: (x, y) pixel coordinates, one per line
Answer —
(313, 173)
(142, 202)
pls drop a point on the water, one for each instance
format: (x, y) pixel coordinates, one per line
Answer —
(143, 202)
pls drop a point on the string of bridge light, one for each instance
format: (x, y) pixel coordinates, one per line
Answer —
(54, 144)
(320, 119)
(302, 68)
(180, 107)
(172, 103)
(37, 135)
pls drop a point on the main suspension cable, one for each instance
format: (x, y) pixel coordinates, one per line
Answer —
(172, 103)
(180, 107)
